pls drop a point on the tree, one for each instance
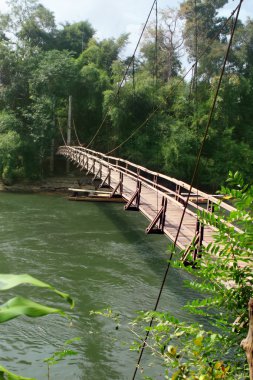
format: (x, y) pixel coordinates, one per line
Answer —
(202, 24)
(162, 47)
(29, 23)
(51, 84)
(38, 30)
(74, 37)
(103, 53)
(96, 76)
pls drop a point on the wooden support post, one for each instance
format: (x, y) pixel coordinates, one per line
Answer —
(157, 225)
(135, 198)
(155, 181)
(84, 163)
(210, 206)
(118, 186)
(247, 343)
(91, 168)
(194, 248)
(87, 163)
(178, 195)
(108, 179)
(121, 183)
(186, 254)
(69, 128)
(178, 192)
(98, 174)
(199, 236)
(79, 160)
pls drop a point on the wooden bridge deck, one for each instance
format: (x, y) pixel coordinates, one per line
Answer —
(150, 204)
(125, 178)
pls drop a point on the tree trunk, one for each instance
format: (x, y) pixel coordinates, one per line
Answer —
(51, 165)
(247, 343)
(69, 129)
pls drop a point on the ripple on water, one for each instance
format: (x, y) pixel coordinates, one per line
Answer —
(102, 257)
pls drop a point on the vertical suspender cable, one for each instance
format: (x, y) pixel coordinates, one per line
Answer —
(156, 42)
(74, 126)
(155, 76)
(180, 81)
(124, 76)
(195, 81)
(60, 129)
(191, 186)
(134, 75)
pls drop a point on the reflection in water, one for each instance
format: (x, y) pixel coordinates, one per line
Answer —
(102, 257)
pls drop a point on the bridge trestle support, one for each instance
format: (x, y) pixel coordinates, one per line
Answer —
(134, 202)
(107, 180)
(195, 247)
(157, 225)
(119, 187)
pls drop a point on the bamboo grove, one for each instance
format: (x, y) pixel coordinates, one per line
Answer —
(42, 63)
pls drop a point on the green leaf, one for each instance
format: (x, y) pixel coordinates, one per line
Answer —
(8, 281)
(7, 375)
(21, 306)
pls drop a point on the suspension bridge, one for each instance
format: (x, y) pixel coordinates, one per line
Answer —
(160, 198)
(171, 206)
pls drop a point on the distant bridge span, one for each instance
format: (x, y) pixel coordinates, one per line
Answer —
(158, 197)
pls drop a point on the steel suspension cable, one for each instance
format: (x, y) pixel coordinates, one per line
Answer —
(60, 129)
(156, 42)
(74, 125)
(134, 76)
(192, 68)
(191, 185)
(124, 76)
(195, 82)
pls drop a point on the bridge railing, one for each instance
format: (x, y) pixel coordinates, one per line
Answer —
(167, 186)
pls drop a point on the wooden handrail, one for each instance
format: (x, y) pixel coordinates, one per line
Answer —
(121, 165)
(175, 181)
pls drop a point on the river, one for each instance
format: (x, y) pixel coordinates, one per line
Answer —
(100, 255)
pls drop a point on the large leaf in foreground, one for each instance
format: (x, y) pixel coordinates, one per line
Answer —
(7, 375)
(8, 281)
(22, 306)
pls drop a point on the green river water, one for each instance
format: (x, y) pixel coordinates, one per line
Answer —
(100, 255)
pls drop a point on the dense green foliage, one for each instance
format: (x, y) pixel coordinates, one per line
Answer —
(224, 276)
(223, 284)
(41, 64)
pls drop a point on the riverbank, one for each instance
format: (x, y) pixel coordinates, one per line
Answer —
(50, 184)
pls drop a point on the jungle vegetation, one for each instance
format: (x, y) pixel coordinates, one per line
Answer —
(42, 64)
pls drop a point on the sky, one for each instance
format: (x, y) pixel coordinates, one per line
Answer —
(110, 18)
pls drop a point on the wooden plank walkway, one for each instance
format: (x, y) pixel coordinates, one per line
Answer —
(150, 204)
(125, 178)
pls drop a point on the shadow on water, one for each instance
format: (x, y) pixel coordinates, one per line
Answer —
(99, 254)
(153, 249)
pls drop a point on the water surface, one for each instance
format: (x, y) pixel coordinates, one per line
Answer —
(101, 256)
